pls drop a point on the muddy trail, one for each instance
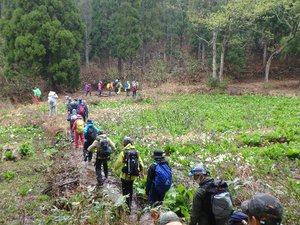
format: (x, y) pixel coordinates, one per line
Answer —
(111, 188)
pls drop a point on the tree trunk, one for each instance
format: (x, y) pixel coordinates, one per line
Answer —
(265, 53)
(214, 60)
(143, 57)
(171, 50)
(86, 49)
(199, 52)
(120, 66)
(130, 67)
(222, 59)
(203, 55)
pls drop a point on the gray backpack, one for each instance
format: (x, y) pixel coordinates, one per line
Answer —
(221, 203)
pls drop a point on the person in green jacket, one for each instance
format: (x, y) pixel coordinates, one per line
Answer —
(37, 94)
(132, 166)
(201, 212)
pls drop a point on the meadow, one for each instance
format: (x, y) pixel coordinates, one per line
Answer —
(251, 141)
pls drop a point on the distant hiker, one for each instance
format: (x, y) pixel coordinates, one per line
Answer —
(109, 88)
(100, 84)
(132, 167)
(78, 128)
(104, 148)
(52, 101)
(120, 86)
(82, 110)
(116, 85)
(169, 218)
(212, 204)
(238, 218)
(90, 133)
(72, 117)
(127, 88)
(88, 89)
(37, 94)
(134, 88)
(263, 209)
(159, 178)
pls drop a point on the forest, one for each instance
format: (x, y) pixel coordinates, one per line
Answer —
(62, 42)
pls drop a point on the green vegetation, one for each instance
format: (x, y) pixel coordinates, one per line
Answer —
(251, 141)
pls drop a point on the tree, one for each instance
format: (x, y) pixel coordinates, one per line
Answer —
(43, 38)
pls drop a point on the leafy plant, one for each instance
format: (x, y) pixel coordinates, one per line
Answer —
(9, 155)
(23, 191)
(8, 175)
(26, 149)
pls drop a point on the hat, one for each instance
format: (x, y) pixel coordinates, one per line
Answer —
(74, 111)
(89, 121)
(127, 140)
(237, 217)
(263, 207)
(198, 169)
(157, 154)
(168, 217)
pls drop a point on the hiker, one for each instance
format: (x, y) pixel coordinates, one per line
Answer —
(109, 88)
(206, 210)
(78, 128)
(90, 133)
(104, 147)
(133, 166)
(263, 209)
(82, 110)
(100, 88)
(238, 218)
(127, 88)
(116, 85)
(72, 117)
(134, 88)
(159, 178)
(169, 218)
(52, 101)
(37, 94)
(120, 86)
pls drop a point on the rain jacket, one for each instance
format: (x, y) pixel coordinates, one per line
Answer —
(98, 138)
(201, 212)
(120, 163)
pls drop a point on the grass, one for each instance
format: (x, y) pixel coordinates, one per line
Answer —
(252, 141)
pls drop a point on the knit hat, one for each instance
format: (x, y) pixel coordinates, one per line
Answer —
(198, 169)
(264, 207)
(89, 121)
(168, 217)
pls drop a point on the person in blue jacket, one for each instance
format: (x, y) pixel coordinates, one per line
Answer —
(90, 133)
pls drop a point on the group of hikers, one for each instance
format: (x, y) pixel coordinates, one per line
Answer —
(114, 86)
(212, 201)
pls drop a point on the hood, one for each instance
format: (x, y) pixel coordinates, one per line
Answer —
(88, 125)
(74, 112)
(129, 146)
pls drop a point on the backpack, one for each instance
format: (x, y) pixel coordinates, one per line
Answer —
(81, 110)
(220, 200)
(51, 102)
(131, 161)
(103, 149)
(79, 126)
(134, 86)
(163, 177)
(91, 134)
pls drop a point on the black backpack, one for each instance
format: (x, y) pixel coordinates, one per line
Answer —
(103, 149)
(91, 134)
(131, 161)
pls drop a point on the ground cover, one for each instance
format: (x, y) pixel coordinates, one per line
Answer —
(251, 141)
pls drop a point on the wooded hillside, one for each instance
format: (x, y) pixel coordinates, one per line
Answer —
(142, 39)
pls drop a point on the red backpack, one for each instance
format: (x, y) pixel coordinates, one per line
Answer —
(81, 110)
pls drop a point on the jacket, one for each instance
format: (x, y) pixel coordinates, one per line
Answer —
(88, 125)
(151, 173)
(75, 125)
(120, 162)
(201, 212)
(95, 143)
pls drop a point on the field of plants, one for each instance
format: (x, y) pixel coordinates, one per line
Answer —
(251, 141)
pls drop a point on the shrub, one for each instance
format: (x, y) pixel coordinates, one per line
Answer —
(23, 191)
(9, 155)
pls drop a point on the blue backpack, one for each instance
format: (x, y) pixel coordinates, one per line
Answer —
(163, 178)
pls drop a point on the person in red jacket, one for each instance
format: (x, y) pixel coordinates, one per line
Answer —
(78, 128)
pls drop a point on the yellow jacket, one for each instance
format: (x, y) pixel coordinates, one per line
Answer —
(120, 163)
